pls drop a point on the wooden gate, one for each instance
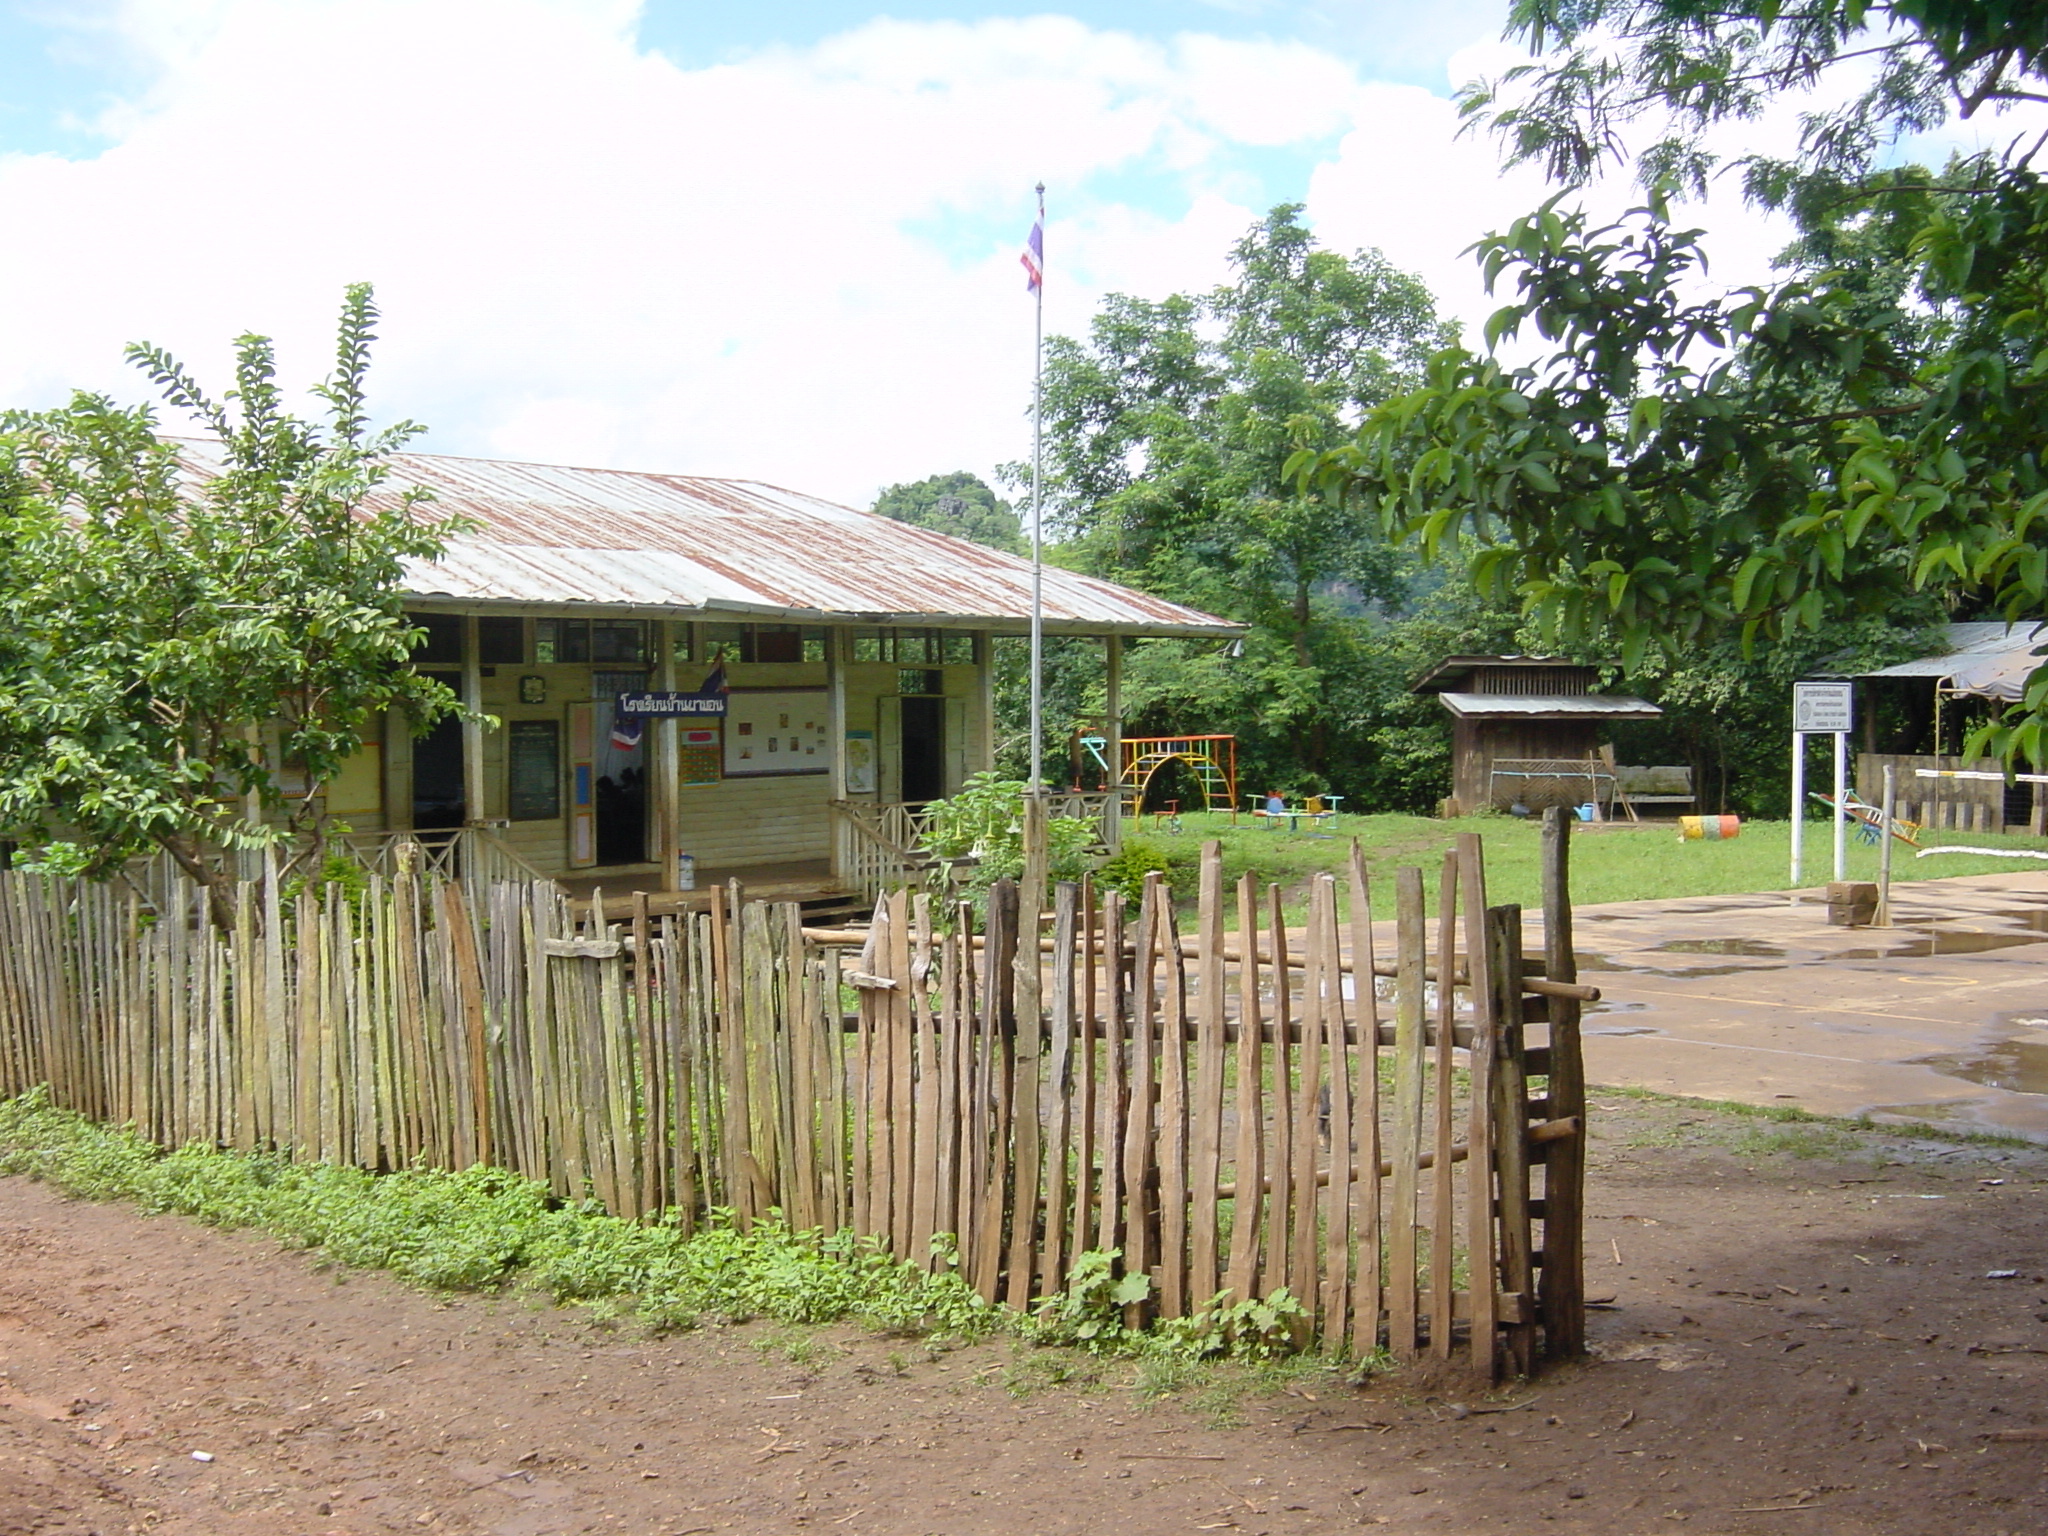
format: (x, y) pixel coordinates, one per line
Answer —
(1345, 1110)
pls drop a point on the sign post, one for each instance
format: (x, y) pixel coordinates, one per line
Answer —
(1821, 709)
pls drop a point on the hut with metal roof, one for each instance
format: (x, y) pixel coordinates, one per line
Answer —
(1524, 709)
(720, 671)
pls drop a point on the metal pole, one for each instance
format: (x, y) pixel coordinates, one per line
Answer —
(1841, 805)
(1883, 917)
(1798, 804)
(1038, 516)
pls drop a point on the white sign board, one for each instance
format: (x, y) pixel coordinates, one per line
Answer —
(1822, 708)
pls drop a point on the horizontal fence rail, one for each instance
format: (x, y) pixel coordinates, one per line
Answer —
(1325, 1108)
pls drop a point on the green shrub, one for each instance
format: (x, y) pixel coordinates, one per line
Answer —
(985, 822)
(1125, 870)
(483, 1228)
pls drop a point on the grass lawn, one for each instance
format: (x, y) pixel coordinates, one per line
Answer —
(1612, 863)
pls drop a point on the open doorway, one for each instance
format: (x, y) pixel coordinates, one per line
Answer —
(621, 787)
(924, 749)
(437, 789)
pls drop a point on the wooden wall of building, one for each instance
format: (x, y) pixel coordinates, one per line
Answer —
(737, 821)
(1476, 743)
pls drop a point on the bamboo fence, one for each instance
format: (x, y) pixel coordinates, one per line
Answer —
(1238, 1110)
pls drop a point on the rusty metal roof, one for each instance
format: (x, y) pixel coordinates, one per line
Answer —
(615, 540)
(1549, 706)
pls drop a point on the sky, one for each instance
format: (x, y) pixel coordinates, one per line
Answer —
(766, 241)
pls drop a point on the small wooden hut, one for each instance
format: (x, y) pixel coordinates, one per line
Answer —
(1523, 708)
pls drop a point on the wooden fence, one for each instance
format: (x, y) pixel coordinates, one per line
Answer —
(1239, 1112)
(1946, 803)
(1234, 1110)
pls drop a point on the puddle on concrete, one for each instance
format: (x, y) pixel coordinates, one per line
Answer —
(1588, 961)
(1716, 970)
(1596, 962)
(1933, 1112)
(2017, 1065)
(2014, 1057)
(1619, 1029)
(1944, 942)
(1721, 947)
(1604, 1006)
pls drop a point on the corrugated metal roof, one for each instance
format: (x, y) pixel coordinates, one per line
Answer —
(1454, 669)
(614, 539)
(2007, 647)
(1549, 706)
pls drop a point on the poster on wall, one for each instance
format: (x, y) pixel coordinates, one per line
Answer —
(775, 731)
(860, 762)
(698, 759)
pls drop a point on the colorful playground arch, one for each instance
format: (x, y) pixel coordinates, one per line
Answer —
(1211, 759)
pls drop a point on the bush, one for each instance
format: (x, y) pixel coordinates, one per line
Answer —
(1125, 870)
(985, 822)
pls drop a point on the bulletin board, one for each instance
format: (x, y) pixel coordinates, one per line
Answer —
(775, 731)
(698, 759)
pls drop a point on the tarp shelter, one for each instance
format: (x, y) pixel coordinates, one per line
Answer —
(1985, 660)
(1981, 659)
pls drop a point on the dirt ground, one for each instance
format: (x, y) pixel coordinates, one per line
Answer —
(1810, 1330)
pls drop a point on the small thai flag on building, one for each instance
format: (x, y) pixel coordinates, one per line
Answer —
(1034, 252)
(626, 731)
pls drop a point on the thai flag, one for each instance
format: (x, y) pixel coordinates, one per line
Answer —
(626, 731)
(1034, 252)
(714, 680)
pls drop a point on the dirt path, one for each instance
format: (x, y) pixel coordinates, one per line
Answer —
(1795, 1344)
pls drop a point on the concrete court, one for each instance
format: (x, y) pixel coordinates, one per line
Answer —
(1941, 1018)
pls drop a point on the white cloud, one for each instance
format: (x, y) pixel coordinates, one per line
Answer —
(1407, 180)
(800, 266)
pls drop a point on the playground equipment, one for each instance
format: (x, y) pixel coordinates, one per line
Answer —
(1211, 759)
(1870, 819)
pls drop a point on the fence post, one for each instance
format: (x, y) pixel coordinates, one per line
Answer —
(1481, 1239)
(1564, 1161)
(1511, 1133)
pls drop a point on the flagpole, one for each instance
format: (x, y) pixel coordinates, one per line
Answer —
(1037, 785)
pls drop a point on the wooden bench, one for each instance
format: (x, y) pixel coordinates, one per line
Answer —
(1667, 785)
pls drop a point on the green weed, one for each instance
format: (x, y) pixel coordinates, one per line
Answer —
(484, 1229)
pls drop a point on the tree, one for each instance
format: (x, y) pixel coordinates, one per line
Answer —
(1772, 461)
(1167, 433)
(1666, 72)
(170, 643)
(960, 504)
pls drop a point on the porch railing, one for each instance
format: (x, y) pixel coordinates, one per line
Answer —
(878, 847)
(474, 856)
(881, 847)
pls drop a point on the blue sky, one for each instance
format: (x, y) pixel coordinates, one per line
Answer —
(770, 241)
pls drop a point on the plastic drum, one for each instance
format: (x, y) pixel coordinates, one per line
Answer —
(1708, 829)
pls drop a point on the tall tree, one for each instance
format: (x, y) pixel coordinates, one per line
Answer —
(961, 504)
(1653, 78)
(170, 642)
(1771, 461)
(1167, 433)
